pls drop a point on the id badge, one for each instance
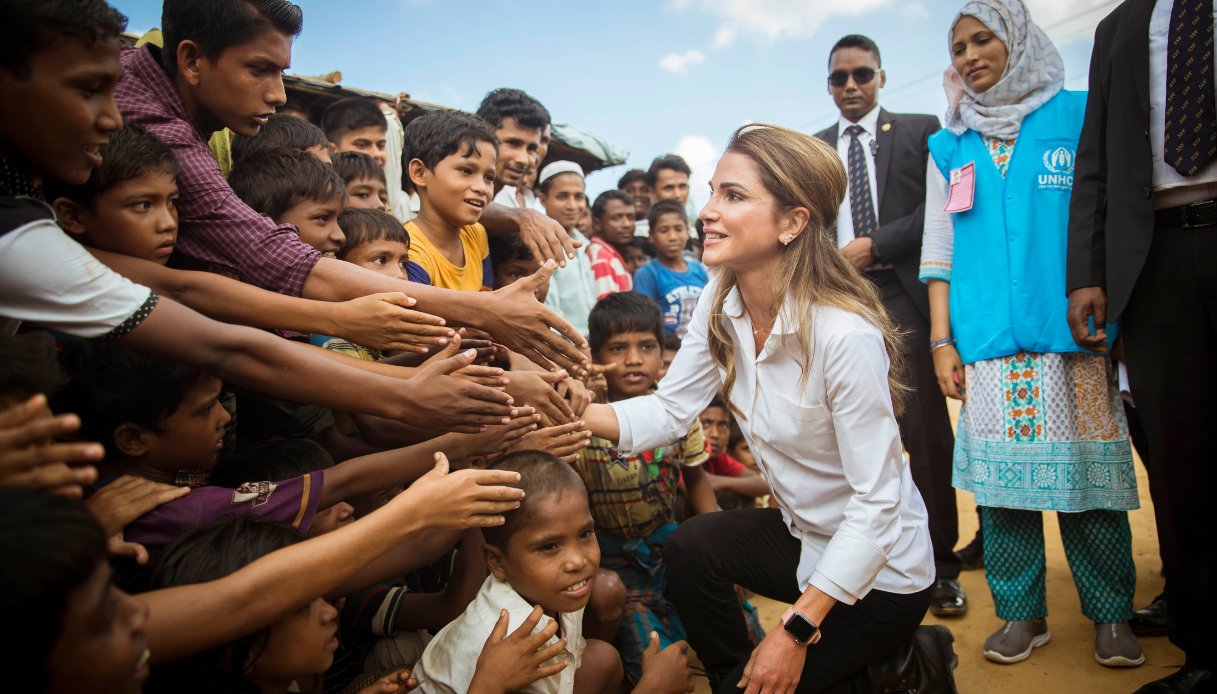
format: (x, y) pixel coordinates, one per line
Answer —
(963, 187)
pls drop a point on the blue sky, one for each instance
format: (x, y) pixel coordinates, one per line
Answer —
(649, 77)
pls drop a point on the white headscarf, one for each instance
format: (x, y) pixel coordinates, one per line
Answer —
(1034, 73)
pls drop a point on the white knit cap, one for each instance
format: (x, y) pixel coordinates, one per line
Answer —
(559, 167)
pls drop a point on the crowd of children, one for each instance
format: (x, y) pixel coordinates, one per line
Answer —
(214, 508)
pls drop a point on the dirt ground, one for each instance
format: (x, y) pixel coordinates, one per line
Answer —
(1067, 663)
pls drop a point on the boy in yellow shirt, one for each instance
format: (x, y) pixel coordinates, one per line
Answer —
(450, 158)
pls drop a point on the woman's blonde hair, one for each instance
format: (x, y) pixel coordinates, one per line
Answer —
(803, 171)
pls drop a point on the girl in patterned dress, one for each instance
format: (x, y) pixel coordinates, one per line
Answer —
(1041, 427)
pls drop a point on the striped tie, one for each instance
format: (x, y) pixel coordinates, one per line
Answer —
(861, 208)
(1191, 120)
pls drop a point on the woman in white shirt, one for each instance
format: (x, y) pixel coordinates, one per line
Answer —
(800, 343)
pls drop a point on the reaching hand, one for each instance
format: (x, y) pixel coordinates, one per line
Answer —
(526, 327)
(577, 394)
(30, 458)
(546, 238)
(437, 400)
(470, 498)
(537, 388)
(499, 439)
(397, 681)
(511, 663)
(1084, 304)
(124, 500)
(665, 671)
(563, 441)
(383, 321)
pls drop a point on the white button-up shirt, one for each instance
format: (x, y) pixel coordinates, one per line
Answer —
(869, 124)
(828, 444)
(448, 664)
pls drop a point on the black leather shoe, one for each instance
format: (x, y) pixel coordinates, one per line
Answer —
(947, 599)
(1151, 619)
(1186, 680)
(924, 664)
(973, 555)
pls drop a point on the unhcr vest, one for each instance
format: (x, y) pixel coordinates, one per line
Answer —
(1008, 267)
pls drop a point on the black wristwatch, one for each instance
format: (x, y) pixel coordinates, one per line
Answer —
(801, 629)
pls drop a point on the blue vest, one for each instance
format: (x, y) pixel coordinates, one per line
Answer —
(1008, 265)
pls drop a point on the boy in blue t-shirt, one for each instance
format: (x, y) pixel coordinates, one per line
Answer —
(670, 279)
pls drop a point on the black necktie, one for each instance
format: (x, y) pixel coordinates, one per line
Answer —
(1191, 119)
(861, 209)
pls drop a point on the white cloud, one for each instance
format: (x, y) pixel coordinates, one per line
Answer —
(702, 156)
(679, 63)
(774, 19)
(915, 12)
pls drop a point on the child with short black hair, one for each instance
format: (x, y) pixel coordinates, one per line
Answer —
(544, 554)
(450, 158)
(632, 496)
(282, 131)
(735, 485)
(375, 240)
(612, 232)
(365, 180)
(128, 205)
(671, 280)
(636, 254)
(512, 261)
(293, 187)
(356, 125)
(671, 345)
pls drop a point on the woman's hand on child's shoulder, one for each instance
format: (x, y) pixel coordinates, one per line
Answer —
(509, 663)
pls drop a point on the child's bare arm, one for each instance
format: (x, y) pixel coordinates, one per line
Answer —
(184, 620)
(747, 484)
(701, 494)
(283, 369)
(380, 321)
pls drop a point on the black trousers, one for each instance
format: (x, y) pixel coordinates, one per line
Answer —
(1170, 341)
(710, 554)
(925, 426)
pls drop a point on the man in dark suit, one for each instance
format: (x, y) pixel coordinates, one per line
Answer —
(879, 231)
(1143, 250)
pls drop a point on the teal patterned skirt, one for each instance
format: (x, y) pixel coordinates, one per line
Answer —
(1044, 432)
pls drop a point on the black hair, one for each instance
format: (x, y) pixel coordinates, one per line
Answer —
(209, 554)
(630, 177)
(623, 312)
(543, 186)
(281, 459)
(856, 41)
(440, 134)
(29, 365)
(29, 26)
(280, 131)
(294, 104)
(361, 225)
(130, 153)
(217, 25)
(670, 341)
(345, 115)
(353, 166)
(541, 475)
(602, 201)
(717, 401)
(505, 103)
(736, 435)
(51, 547)
(662, 207)
(672, 162)
(112, 385)
(275, 180)
(505, 247)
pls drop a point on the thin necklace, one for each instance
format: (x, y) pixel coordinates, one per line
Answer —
(758, 331)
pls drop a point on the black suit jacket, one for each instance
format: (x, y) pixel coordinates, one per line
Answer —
(1111, 213)
(900, 178)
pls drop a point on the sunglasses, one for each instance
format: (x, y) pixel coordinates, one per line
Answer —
(839, 78)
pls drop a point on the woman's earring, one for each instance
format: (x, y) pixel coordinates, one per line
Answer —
(786, 239)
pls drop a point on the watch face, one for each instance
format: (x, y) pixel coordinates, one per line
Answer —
(800, 628)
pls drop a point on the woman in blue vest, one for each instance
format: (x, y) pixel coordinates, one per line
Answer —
(1041, 428)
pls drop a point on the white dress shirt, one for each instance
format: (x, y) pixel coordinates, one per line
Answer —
(448, 664)
(829, 447)
(507, 198)
(869, 124)
(1170, 188)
